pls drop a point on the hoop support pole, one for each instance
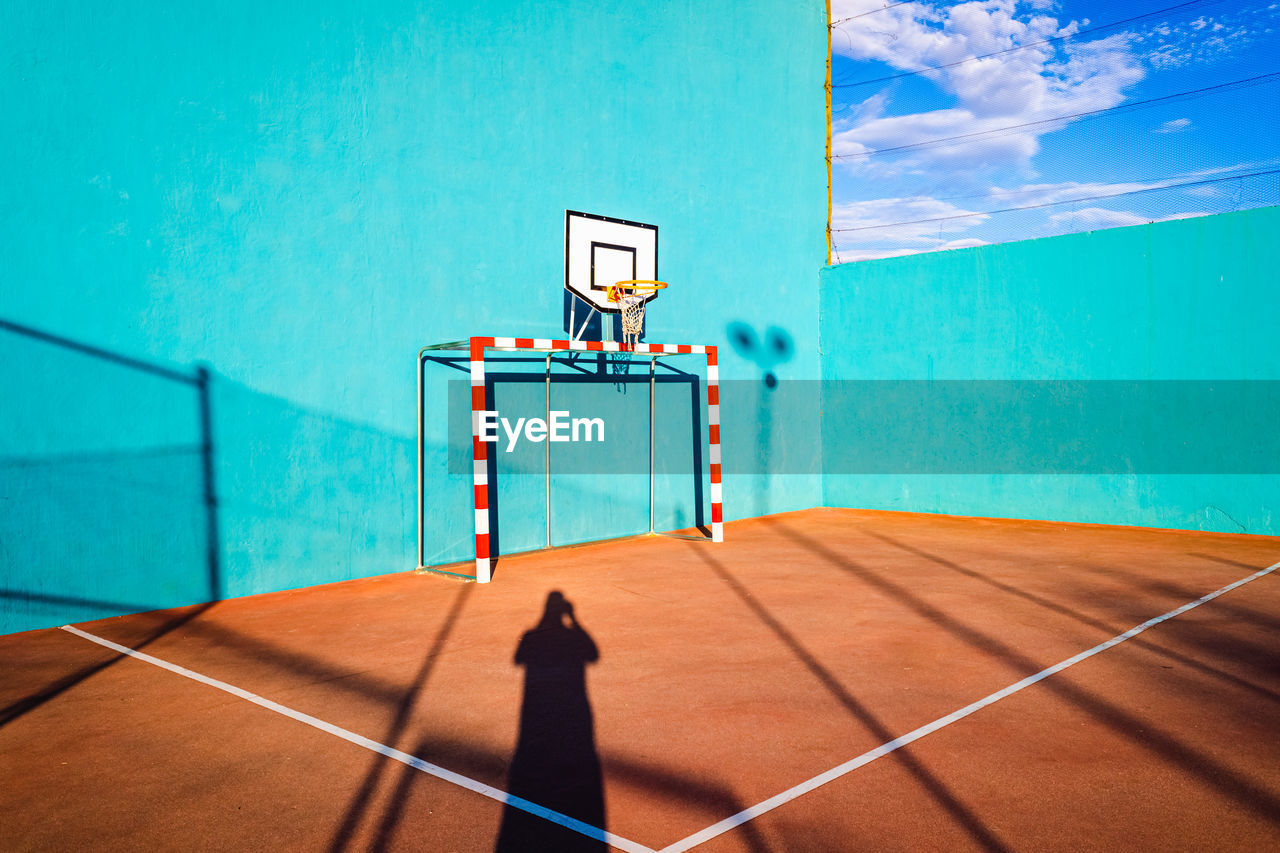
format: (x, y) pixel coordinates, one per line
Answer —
(547, 457)
(422, 534)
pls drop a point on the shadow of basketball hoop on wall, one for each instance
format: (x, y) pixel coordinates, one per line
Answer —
(555, 763)
(767, 352)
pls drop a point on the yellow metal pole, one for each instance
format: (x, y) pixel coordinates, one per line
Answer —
(828, 87)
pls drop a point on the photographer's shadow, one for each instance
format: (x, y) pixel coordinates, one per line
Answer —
(555, 763)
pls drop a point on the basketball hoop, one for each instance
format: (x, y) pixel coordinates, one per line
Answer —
(631, 296)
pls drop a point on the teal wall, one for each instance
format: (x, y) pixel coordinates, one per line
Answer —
(1193, 299)
(299, 196)
(227, 232)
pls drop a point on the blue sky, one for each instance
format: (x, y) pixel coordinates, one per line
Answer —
(1057, 115)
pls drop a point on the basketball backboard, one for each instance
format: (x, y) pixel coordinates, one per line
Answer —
(601, 250)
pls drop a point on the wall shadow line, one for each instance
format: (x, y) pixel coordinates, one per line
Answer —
(200, 379)
(209, 493)
(98, 352)
(110, 607)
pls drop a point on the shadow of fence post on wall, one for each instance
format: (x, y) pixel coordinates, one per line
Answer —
(555, 763)
(106, 481)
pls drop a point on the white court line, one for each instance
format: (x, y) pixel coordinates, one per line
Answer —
(929, 728)
(381, 748)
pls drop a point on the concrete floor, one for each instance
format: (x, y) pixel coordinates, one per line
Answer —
(693, 681)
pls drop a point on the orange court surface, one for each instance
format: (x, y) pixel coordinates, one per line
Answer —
(824, 680)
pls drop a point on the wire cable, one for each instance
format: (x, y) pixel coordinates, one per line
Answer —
(1185, 175)
(1055, 203)
(977, 135)
(1051, 40)
(872, 12)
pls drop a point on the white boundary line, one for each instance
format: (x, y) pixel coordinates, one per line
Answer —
(712, 831)
(929, 728)
(381, 748)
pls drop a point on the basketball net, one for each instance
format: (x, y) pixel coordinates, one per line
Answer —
(632, 317)
(630, 297)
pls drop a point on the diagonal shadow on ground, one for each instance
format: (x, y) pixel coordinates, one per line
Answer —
(395, 729)
(1263, 618)
(51, 691)
(477, 762)
(1138, 730)
(1108, 630)
(982, 835)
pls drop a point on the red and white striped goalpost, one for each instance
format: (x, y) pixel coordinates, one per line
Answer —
(479, 449)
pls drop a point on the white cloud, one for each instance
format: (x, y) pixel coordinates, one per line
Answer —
(1176, 125)
(879, 133)
(1206, 39)
(1206, 191)
(877, 218)
(1169, 56)
(1039, 82)
(1090, 218)
(1046, 194)
(892, 226)
(882, 238)
(847, 254)
(1186, 214)
(966, 243)
(987, 102)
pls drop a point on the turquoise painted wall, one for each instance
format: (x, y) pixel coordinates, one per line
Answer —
(299, 196)
(1194, 299)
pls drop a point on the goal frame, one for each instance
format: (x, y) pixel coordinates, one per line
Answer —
(478, 346)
